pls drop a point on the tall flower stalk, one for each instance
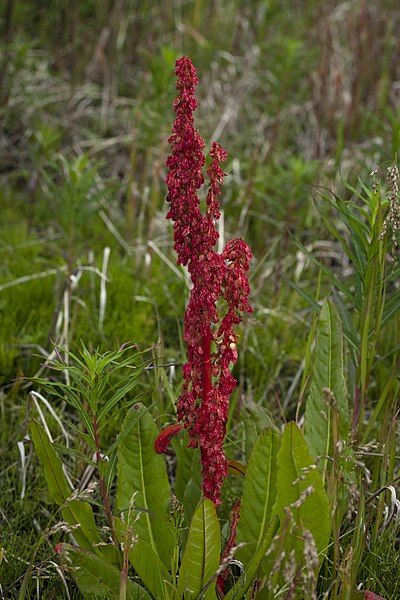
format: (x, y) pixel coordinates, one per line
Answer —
(220, 288)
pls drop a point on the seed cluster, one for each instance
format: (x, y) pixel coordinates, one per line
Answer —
(393, 218)
(210, 336)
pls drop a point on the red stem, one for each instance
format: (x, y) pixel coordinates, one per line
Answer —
(207, 371)
(102, 484)
(207, 376)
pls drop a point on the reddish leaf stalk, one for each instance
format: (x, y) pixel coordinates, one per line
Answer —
(207, 380)
(105, 497)
(230, 546)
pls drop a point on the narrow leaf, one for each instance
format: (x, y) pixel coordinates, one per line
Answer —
(75, 512)
(121, 392)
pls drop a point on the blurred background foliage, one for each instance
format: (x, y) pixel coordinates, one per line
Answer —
(303, 94)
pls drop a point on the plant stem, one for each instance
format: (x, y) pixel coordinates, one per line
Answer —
(103, 488)
(124, 574)
(334, 497)
(207, 371)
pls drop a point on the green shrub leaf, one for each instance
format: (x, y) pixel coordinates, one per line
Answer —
(150, 569)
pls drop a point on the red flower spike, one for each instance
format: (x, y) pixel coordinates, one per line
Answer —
(207, 380)
(165, 436)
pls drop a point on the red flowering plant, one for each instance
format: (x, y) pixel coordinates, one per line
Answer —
(280, 529)
(210, 337)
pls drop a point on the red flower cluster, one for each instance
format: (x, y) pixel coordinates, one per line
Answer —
(211, 340)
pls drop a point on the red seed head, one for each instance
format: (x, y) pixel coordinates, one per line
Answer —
(207, 380)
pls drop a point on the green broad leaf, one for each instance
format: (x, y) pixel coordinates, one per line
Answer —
(188, 476)
(200, 560)
(297, 472)
(143, 558)
(259, 495)
(190, 502)
(78, 512)
(127, 431)
(327, 373)
(96, 578)
(255, 419)
(75, 512)
(187, 461)
(192, 493)
(151, 570)
(142, 483)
